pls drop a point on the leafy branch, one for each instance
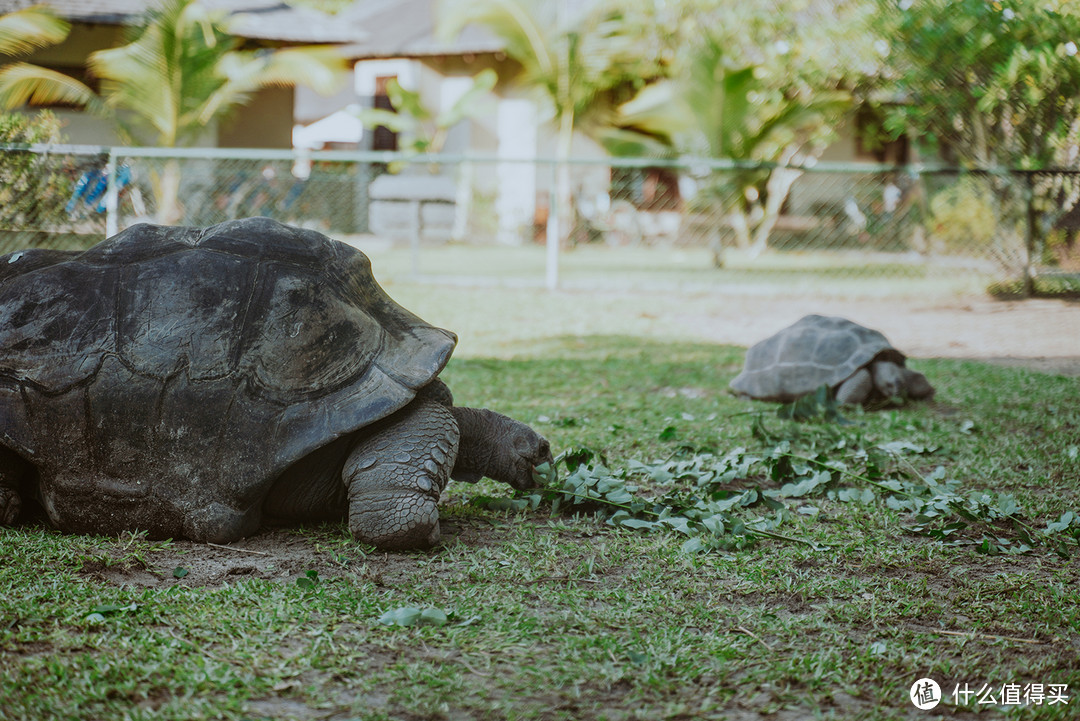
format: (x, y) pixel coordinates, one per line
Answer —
(728, 502)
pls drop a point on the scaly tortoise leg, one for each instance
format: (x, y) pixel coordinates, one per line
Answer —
(395, 473)
(856, 389)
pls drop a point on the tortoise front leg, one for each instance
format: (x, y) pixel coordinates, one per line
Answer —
(856, 389)
(888, 378)
(13, 471)
(395, 473)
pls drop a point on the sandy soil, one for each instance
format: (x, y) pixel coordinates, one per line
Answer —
(1038, 334)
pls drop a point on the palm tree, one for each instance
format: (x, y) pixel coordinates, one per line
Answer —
(180, 71)
(26, 30)
(581, 66)
(22, 32)
(721, 109)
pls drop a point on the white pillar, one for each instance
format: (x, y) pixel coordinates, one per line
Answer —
(515, 203)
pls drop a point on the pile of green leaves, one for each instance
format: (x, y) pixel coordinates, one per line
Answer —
(729, 502)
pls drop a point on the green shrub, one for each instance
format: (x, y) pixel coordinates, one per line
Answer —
(34, 187)
(962, 216)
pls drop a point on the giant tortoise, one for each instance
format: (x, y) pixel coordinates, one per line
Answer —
(858, 364)
(198, 382)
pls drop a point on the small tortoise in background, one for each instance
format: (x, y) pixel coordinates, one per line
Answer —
(194, 383)
(857, 363)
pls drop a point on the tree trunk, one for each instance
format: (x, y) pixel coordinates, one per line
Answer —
(563, 191)
(777, 188)
(982, 148)
(167, 192)
(741, 227)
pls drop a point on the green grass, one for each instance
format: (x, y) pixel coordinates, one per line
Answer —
(565, 617)
(592, 267)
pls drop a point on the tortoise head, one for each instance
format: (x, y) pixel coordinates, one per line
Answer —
(501, 448)
(895, 381)
(917, 385)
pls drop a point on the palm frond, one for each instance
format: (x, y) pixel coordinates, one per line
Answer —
(138, 78)
(658, 109)
(26, 30)
(395, 122)
(526, 36)
(632, 143)
(322, 68)
(241, 73)
(23, 83)
(482, 83)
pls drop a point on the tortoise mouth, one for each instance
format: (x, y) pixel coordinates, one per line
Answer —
(543, 475)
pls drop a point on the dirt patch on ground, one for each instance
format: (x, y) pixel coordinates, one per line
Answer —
(276, 555)
(272, 556)
(1042, 335)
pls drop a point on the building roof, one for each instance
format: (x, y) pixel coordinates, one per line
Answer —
(406, 29)
(367, 28)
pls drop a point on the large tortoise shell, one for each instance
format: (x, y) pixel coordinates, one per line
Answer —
(196, 364)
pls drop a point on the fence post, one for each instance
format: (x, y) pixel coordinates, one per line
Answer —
(414, 238)
(1030, 232)
(552, 238)
(112, 196)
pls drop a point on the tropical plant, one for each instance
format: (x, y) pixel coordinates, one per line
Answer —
(425, 130)
(757, 84)
(580, 63)
(34, 187)
(988, 83)
(720, 110)
(993, 85)
(180, 71)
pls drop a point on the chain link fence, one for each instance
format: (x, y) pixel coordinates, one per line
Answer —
(624, 222)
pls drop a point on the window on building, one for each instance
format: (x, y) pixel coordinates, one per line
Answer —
(872, 144)
(383, 138)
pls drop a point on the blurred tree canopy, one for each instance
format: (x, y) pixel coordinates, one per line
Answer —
(761, 82)
(987, 83)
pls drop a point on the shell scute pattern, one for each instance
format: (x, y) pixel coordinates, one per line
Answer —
(193, 365)
(814, 351)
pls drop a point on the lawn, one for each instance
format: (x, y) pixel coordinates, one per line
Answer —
(806, 569)
(688, 268)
